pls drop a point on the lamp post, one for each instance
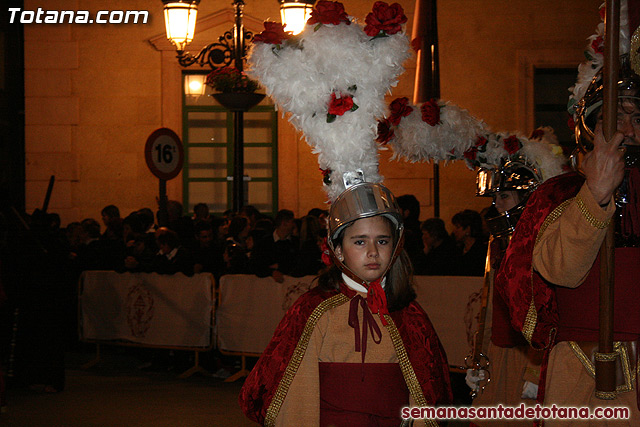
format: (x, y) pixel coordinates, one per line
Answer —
(229, 50)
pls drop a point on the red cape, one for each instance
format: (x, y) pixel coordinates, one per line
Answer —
(423, 347)
(531, 301)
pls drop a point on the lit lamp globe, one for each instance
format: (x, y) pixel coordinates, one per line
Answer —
(180, 21)
(294, 14)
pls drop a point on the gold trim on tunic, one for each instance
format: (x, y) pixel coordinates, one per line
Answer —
(298, 355)
(591, 219)
(407, 370)
(620, 350)
(531, 320)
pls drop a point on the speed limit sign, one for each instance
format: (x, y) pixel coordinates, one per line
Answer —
(164, 154)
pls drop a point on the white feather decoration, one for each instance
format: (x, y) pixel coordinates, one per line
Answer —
(595, 59)
(301, 77)
(460, 136)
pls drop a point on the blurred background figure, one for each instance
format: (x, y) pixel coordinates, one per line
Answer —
(472, 255)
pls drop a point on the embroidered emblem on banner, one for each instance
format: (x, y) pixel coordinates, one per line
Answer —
(472, 315)
(293, 292)
(139, 309)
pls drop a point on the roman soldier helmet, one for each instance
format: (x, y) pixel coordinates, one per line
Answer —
(517, 174)
(588, 109)
(363, 199)
(539, 159)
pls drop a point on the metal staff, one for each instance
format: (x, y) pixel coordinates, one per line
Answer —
(605, 363)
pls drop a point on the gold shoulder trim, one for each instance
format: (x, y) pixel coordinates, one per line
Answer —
(298, 355)
(592, 220)
(407, 370)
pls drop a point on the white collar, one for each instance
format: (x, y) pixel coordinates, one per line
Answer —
(170, 255)
(357, 286)
(276, 236)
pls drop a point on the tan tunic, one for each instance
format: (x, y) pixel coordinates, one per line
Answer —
(331, 341)
(564, 255)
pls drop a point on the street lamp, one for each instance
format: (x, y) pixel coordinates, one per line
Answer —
(294, 14)
(229, 50)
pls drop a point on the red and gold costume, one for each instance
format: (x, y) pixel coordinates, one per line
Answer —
(550, 283)
(512, 361)
(311, 373)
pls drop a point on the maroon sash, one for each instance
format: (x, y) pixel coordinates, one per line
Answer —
(578, 308)
(361, 394)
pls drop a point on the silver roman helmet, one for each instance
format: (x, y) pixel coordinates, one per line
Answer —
(364, 200)
(517, 174)
(589, 108)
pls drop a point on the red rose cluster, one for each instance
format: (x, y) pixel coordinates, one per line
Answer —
(328, 12)
(598, 45)
(339, 106)
(273, 33)
(399, 109)
(385, 19)
(471, 153)
(537, 134)
(385, 132)
(512, 144)
(431, 112)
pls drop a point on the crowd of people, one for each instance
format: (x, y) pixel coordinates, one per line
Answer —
(249, 242)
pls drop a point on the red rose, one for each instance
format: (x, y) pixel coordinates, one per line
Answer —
(602, 12)
(385, 132)
(471, 153)
(598, 45)
(273, 33)
(328, 12)
(537, 134)
(399, 109)
(431, 112)
(481, 141)
(339, 106)
(512, 144)
(385, 18)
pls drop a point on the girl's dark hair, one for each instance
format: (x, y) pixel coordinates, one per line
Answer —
(398, 287)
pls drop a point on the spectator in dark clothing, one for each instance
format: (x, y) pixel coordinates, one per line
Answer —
(207, 253)
(252, 214)
(172, 257)
(410, 209)
(467, 230)
(180, 223)
(140, 246)
(310, 256)
(276, 254)
(95, 253)
(235, 255)
(321, 214)
(112, 222)
(201, 213)
(439, 251)
(148, 222)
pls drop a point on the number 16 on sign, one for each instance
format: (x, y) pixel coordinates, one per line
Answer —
(164, 156)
